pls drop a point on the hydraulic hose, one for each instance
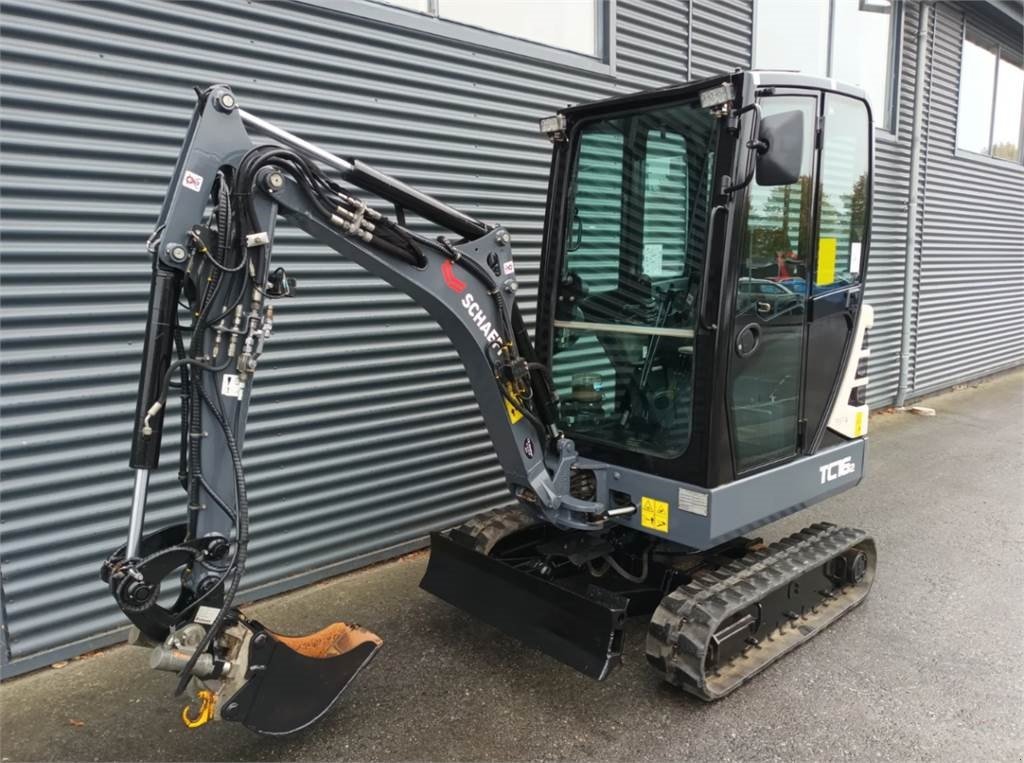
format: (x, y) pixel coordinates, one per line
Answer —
(627, 575)
(241, 544)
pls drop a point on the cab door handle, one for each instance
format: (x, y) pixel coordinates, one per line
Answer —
(705, 281)
(764, 308)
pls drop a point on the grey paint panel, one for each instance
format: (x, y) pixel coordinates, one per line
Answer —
(738, 507)
(884, 285)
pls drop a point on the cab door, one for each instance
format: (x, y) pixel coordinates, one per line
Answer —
(840, 261)
(775, 240)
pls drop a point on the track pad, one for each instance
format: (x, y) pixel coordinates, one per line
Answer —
(294, 680)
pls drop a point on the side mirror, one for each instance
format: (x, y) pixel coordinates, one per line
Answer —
(781, 158)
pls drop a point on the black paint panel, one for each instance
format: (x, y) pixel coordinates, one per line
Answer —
(832, 318)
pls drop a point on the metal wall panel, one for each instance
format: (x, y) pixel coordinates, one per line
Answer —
(721, 36)
(972, 259)
(651, 43)
(364, 434)
(884, 285)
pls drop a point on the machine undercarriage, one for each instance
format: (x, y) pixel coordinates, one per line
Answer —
(717, 617)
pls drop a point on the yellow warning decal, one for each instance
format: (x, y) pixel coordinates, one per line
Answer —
(514, 414)
(858, 424)
(826, 272)
(654, 514)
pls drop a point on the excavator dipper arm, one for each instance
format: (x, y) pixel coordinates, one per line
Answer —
(219, 262)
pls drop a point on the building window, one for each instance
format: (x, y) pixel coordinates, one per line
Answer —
(853, 41)
(573, 25)
(991, 99)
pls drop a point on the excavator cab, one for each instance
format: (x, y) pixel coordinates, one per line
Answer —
(703, 280)
(697, 370)
(701, 314)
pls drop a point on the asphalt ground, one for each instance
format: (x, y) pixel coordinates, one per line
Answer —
(931, 667)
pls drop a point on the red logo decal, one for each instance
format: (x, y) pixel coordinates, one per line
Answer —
(450, 279)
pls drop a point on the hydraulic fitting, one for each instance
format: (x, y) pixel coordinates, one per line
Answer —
(236, 328)
(154, 409)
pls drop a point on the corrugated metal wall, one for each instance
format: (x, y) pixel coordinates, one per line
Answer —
(357, 380)
(884, 286)
(969, 254)
(358, 386)
(970, 306)
(721, 36)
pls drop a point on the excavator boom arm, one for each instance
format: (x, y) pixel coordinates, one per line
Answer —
(220, 261)
(469, 289)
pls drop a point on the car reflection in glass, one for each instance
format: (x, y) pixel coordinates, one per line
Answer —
(770, 299)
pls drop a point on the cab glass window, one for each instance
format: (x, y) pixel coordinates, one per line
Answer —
(777, 246)
(626, 305)
(844, 194)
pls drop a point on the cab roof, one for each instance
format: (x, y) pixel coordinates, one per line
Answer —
(757, 78)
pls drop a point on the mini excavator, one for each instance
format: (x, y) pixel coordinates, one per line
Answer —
(677, 392)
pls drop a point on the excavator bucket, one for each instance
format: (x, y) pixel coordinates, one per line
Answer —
(579, 627)
(295, 680)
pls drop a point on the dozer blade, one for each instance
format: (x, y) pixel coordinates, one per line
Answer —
(582, 629)
(715, 633)
(294, 680)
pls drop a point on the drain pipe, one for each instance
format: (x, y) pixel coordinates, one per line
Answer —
(913, 204)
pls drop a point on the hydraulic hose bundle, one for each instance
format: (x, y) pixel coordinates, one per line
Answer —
(240, 249)
(212, 249)
(230, 259)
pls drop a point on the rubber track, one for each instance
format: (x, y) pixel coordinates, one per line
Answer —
(686, 619)
(482, 532)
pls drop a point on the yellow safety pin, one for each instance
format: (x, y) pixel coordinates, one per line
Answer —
(206, 699)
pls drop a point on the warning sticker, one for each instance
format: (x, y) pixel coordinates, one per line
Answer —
(206, 615)
(509, 268)
(654, 514)
(514, 414)
(192, 181)
(855, 257)
(232, 386)
(825, 275)
(693, 501)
